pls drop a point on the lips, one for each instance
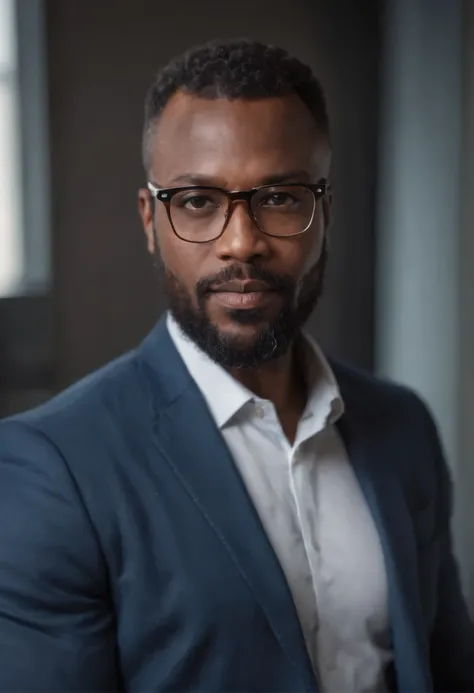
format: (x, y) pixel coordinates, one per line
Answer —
(243, 287)
(244, 294)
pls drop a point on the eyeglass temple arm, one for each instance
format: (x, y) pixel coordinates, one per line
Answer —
(153, 189)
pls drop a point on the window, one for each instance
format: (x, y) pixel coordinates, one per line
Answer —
(10, 183)
(24, 173)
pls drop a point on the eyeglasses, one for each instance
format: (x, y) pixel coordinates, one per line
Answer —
(201, 214)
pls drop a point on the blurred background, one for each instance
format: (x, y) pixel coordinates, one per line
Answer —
(76, 284)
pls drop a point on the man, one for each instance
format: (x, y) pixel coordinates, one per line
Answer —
(222, 509)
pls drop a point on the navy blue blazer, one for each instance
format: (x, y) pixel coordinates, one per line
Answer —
(131, 557)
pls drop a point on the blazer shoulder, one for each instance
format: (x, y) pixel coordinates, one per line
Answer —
(395, 413)
(112, 391)
(389, 406)
(367, 389)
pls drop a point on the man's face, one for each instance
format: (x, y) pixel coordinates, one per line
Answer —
(238, 145)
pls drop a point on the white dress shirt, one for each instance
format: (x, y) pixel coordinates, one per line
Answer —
(315, 516)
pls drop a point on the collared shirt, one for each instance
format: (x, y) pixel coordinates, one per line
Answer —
(315, 516)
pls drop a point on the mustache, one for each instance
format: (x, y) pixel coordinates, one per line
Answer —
(282, 283)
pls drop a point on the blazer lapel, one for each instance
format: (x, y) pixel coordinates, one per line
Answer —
(369, 450)
(194, 448)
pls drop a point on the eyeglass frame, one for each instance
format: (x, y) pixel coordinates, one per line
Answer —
(165, 195)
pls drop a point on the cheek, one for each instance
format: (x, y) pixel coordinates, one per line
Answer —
(169, 245)
(181, 259)
(303, 252)
(313, 240)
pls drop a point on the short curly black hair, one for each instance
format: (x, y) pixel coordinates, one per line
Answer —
(233, 69)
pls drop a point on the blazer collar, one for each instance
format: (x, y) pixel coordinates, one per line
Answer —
(376, 449)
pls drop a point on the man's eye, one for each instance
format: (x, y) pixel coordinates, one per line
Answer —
(279, 199)
(197, 202)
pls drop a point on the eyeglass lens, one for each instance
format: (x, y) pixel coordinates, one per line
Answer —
(200, 215)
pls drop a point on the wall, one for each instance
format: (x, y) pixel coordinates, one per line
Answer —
(425, 259)
(102, 57)
(418, 220)
(465, 353)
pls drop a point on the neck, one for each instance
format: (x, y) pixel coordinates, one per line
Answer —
(281, 381)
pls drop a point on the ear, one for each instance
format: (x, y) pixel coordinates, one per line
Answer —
(146, 209)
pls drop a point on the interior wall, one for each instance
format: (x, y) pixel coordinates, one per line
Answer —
(102, 57)
(425, 286)
(465, 377)
(419, 177)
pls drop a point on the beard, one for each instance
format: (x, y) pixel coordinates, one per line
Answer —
(274, 338)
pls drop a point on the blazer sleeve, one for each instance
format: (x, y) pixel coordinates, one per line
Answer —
(452, 639)
(56, 626)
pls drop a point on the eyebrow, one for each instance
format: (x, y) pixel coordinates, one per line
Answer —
(274, 179)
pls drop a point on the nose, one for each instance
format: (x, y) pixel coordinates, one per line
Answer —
(242, 240)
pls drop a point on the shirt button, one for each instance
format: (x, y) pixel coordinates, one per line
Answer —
(259, 413)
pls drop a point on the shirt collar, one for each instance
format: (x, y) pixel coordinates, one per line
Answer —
(325, 402)
(225, 396)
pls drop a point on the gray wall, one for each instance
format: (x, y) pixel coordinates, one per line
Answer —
(419, 176)
(102, 56)
(425, 280)
(465, 370)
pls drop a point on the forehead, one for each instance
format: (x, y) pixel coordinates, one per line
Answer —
(236, 142)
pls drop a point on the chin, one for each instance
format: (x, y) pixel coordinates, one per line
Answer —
(241, 330)
(244, 320)
(237, 332)
(241, 339)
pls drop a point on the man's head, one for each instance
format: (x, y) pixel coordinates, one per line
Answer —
(242, 273)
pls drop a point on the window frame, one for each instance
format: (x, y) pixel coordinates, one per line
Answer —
(27, 79)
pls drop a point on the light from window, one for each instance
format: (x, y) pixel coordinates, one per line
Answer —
(11, 236)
